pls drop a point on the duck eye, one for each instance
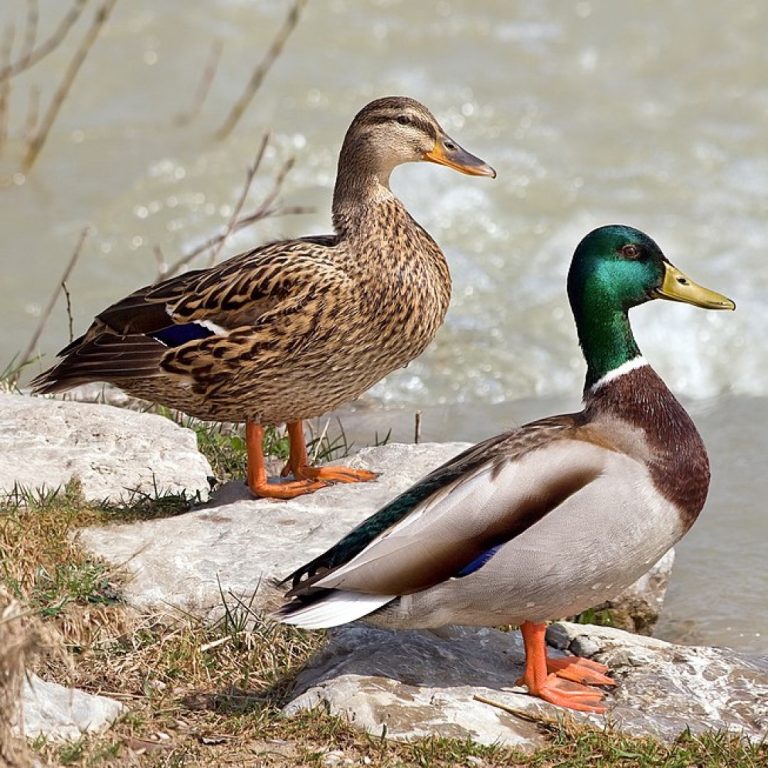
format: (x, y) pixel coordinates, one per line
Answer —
(403, 119)
(630, 252)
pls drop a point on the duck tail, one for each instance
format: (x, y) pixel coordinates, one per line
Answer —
(106, 357)
(330, 609)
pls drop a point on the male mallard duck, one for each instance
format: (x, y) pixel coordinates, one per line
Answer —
(295, 328)
(550, 518)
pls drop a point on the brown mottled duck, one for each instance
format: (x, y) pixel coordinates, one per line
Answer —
(295, 328)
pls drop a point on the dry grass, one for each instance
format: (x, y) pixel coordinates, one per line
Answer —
(210, 694)
(18, 643)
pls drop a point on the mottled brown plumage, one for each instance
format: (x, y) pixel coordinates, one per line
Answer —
(295, 328)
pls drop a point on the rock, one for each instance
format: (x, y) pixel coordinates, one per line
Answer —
(114, 452)
(63, 714)
(240, 543)
(412, 684)
(638, 607)
(664, 688)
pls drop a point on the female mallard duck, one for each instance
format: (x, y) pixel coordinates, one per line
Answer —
(295, 328)
(547, 519)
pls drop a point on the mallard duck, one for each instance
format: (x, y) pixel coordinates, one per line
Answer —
(547, 519)
(292, 329)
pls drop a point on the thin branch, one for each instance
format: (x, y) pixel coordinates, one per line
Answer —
(273, 193)
(8, 69)
(204, 86)
(52, 302)
(246, 221)
(533, 716)
(30, 29)
(162, 264)
(249, 176)
(70, 319)
(265, 210)
(37, 143)
(257, 78)
(5, 87)
(33, 112)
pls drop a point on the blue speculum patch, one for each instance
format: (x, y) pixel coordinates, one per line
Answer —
(479, 561)
(176, 335)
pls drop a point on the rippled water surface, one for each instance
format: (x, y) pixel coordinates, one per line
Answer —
(652, 114)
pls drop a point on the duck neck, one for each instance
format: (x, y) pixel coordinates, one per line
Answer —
(606, 340)
(361, 181)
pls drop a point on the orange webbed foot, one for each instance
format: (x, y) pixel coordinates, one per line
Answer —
(580, 670)
(335, 474)
(565, 693)
(289, 490)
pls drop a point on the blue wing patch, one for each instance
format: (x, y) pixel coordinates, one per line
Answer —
(479, 561)
(176, 335)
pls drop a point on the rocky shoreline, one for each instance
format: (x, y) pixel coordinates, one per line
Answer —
(409, 683)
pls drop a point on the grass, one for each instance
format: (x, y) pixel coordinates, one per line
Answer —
(202, 694)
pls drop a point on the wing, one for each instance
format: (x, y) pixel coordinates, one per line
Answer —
(461, 511)
(190, 314)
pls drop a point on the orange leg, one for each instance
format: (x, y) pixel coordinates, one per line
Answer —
(257, 471)
(549, 686)
(298, 463)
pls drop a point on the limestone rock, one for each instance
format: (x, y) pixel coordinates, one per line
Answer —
(242, 543)
(665, 687)
(412, 684)
(638, 607)
(63, 714)
(114, 452)
(419, 683)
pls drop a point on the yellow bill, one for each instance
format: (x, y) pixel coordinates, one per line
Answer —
(677, 287)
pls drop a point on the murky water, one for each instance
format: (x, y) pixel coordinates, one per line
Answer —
(592, 112)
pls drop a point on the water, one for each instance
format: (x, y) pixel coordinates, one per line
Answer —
(592, 112)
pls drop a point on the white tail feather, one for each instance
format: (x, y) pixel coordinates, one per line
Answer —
(339, 607)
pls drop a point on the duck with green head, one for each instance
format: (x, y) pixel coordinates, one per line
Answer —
(548, 519)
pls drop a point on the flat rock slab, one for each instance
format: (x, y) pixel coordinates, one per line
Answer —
(114, 452)
(412, 684)
(63, 714)
(237, 543)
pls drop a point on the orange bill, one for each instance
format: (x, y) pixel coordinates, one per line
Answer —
(447, 152)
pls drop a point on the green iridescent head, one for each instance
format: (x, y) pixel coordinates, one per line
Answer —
(614, 269)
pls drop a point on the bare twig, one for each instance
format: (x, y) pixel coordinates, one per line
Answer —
(31, 57)
(30, 29)
(70, 320)
(162, 264)
(249, 176)
(27, 354)
(204, 86)
(5, 87)
(33, 112)
(265, 210)
(524, 714)
(246, 221)
(37, 143)
(257, 78)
